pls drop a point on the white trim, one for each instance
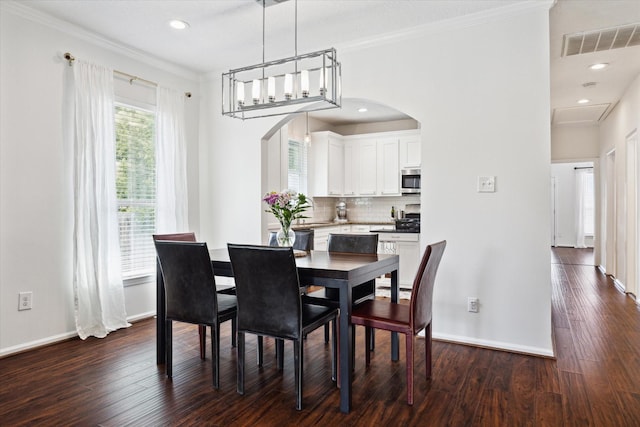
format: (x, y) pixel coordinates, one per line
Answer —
(26, 12)
(455, 23)
(37, 343)
(61, 337)
(496, 345)
(618, 284)
(602, 270)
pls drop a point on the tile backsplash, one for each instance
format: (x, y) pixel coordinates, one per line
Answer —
(365, 209)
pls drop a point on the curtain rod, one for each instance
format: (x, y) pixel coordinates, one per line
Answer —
(583, 167)
(131, 77)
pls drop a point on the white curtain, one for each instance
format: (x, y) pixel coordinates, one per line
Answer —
(581, 186)
(171, 162)
(97, 276)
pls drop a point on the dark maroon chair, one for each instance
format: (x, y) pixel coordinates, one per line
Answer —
(406, 319)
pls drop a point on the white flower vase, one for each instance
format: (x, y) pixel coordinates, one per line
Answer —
(285, 236)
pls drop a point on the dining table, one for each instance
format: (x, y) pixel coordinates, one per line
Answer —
(341, 271)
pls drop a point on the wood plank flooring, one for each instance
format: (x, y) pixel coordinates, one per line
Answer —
(595, 380)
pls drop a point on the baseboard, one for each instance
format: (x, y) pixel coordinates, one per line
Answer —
(618, 284)
(495, 345)
(602, 269)
(32, 345)
(20, 348)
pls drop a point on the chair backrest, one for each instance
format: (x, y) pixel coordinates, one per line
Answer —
(303, 242)
(353, 243)
(422, 296)
(176, 237)
(268, 290)
(189, 283)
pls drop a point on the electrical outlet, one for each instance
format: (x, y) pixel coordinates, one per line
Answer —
(25, 300)
(473, 304)
(486, 184)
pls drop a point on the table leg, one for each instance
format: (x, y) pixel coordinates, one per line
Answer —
(161, 344)
(395, 291)
(346, 350)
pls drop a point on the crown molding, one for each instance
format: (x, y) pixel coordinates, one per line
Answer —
(26, 12)
(459, 22)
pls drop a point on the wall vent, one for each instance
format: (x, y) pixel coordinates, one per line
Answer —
(599, 40)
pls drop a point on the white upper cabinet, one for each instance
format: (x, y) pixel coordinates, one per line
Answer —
(410, 151)
(368, 165)
(351, 168)
(388, 169)
(326, 168)
(361, 165)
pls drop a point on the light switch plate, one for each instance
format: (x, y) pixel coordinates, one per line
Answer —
(486, 184)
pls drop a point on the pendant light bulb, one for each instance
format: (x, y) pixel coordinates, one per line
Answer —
(307, 135)
(304, 83)
(288, 86)
(271, 88)
(240, 93)
(255, 91)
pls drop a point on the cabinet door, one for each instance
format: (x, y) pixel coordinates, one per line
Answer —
(410, 151)
(409, 254)
(351, 168)
(388, 167)
(368, 155)
(336, 167)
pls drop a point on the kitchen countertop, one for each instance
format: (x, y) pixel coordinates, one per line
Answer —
(336, 223)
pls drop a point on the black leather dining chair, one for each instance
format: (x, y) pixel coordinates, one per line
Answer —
(225, 289)
(269, 303)
(406, 319)
(347, 243)
(191, 295)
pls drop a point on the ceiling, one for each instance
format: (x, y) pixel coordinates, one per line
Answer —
(225, 34)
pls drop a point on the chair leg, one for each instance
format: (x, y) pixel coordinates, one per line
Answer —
(280, 353)
(326, 333)
(234, 331)
(372, 340)
(260, 350)
(215, 354)
(297, 348)
(410, 342)
(427, 345)
(240, 363)
(202, 332)
(169, 348)
(368, 331)
(353, 347)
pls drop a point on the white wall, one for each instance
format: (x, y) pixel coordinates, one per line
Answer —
(493, 120)
(571, 143)
(36, 200)
(623, 120)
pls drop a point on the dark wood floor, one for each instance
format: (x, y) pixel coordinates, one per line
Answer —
(115, 381)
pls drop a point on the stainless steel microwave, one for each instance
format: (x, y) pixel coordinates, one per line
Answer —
(410, 181)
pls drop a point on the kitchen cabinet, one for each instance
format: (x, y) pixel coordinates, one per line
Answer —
(407, 247)
(367, 164)
(388, 167)
(410, 151)
(326, 171)
(351, 168)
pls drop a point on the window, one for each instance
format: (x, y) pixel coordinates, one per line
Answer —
(136, 189)
(297, 175)
(588, 204)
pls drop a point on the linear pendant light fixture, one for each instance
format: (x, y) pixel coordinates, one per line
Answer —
(306, 82)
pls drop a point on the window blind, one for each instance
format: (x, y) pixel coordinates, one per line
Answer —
(136, 189)
(297, 171)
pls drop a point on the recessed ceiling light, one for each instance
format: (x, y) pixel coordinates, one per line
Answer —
(178, 24)
(598, 66)
(584, 101)
(362, 110)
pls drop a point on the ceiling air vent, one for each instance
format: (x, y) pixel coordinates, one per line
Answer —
(606, 39)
